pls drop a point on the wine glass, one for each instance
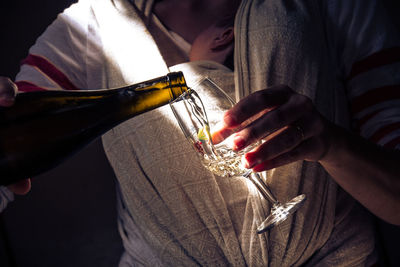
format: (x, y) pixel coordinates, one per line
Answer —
(197, 119)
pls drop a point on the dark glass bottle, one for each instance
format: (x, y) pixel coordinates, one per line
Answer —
(43, 128)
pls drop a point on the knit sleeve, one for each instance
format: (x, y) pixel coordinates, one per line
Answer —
(367, 47)
(57, 60)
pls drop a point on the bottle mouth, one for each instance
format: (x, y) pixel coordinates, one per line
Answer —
(176, 79)
(185, 95)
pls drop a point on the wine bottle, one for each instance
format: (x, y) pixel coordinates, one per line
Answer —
(44, 128)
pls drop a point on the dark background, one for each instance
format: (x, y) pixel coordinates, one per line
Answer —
(69, 217)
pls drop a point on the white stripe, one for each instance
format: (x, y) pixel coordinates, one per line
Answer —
(391, 136)
(384, 76)
(380, 120)
(383, 105)
(35, 76)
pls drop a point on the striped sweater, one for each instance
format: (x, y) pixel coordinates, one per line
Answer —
(366, 47)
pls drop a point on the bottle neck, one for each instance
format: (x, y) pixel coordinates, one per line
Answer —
(177, 83)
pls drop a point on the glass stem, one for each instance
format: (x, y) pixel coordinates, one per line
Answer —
(262, 187)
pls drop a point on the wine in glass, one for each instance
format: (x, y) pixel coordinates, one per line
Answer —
(197, 119)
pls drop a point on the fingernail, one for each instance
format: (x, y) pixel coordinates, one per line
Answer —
(248, 161)
(238, 142)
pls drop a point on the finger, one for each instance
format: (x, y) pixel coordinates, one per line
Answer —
(286, 140)
(8, 91)
(21, 188)
(255, 103)
(274, 120)
(221, 134)
(301, 152)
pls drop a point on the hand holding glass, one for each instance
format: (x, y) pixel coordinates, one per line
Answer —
(197, 119)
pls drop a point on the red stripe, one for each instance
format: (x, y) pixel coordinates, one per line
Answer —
(28, 87)
(393, 143)
(376, 60)
(374, 96)
(50, 70)
(378, 135)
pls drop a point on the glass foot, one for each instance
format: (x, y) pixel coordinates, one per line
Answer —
(280, 212)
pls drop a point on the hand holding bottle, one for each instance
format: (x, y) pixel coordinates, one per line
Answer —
(8, 91)
(45, 127)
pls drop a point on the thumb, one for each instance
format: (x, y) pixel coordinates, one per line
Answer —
(21, 188)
